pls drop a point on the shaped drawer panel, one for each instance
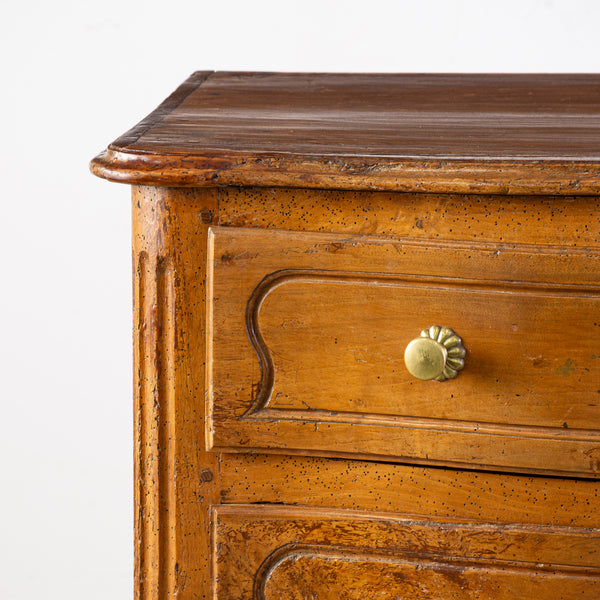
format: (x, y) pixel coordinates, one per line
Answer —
(265, 552)
(307, 334)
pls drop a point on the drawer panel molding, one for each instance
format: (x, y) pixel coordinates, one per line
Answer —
(296, 364)
(266, 552)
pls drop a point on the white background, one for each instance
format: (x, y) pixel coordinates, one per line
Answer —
(77, 74)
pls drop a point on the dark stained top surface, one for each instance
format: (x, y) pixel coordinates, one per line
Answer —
(366, 121)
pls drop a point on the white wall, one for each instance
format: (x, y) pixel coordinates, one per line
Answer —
(76, 74)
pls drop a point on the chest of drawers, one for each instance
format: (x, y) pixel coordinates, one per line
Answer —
(293, 235)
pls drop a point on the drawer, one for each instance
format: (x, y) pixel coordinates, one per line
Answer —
(270, 552)
(307, 333)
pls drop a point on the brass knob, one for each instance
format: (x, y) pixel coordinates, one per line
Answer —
(437, 354)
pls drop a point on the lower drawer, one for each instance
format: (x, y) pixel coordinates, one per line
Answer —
(269, 552)
(306, 338)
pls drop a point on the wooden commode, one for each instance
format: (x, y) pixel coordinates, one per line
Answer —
(367, 337)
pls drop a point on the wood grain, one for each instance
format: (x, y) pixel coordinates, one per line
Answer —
(286, 552)
(175, 480)
(440, 133)
(290, 230)
(154, 424)
(339, 573)
(562, 221)
(297, 364)
(423, 492)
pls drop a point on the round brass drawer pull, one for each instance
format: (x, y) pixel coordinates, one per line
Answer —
(438, 354)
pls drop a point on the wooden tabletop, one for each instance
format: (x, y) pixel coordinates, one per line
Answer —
(439, 133)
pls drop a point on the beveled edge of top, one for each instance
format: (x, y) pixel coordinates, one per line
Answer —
(122, 164)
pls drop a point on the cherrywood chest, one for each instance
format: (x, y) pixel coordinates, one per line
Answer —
(366, 337)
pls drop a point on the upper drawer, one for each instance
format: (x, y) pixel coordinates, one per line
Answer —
(307, 333)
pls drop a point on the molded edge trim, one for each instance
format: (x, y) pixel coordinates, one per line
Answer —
(475, 176)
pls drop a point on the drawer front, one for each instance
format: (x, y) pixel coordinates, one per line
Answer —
(294, 553)
(307, 333)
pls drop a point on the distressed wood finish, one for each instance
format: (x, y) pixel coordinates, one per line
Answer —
(443, 133)
(296, 363)
(423, 492)
(292, 232)
(286, 552)
(175, 480)
(561, 221)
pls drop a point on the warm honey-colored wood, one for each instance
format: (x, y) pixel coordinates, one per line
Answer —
(297, 362)
(400, 488)
(317, 224)
(265, 552)
(562, 221)
(506, 134)
(176, 481)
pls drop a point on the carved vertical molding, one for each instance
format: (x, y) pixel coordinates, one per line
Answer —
(141, 474)
(176, 480)
(165, 403)
(155, 440)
